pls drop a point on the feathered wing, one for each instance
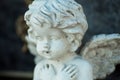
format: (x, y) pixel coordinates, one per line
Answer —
(103, 52)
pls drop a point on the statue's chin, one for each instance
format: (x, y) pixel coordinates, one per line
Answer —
(52, 57)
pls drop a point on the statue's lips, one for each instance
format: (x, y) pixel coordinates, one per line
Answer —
(46, 51)
(47, 54)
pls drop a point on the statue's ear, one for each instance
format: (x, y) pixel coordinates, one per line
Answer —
(74, 45)
(73, 42)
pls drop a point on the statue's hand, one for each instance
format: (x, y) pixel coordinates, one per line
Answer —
(47, 72)
(67, 73)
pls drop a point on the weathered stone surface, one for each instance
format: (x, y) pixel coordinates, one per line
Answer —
(102, 16)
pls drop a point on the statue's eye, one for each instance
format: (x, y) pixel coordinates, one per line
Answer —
(39, 38)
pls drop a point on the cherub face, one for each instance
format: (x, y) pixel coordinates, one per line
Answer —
(51, 43)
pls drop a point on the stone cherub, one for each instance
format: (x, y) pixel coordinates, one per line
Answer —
(56, 28)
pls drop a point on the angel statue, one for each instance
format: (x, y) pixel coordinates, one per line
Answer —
(56, 29)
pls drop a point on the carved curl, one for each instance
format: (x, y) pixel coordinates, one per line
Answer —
(65, 15)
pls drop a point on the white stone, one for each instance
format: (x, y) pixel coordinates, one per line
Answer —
(56, 28)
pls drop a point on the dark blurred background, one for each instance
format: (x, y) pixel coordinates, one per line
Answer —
(103, 17)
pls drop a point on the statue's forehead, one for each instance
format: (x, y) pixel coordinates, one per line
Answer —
(48, 31)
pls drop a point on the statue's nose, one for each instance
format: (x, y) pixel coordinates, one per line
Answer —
(46, 46)
(46, 40)
(46, 43)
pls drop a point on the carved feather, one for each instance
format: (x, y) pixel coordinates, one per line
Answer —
(103, 52)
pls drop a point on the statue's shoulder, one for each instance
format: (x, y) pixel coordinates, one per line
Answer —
(40, 64)
(80, 62)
